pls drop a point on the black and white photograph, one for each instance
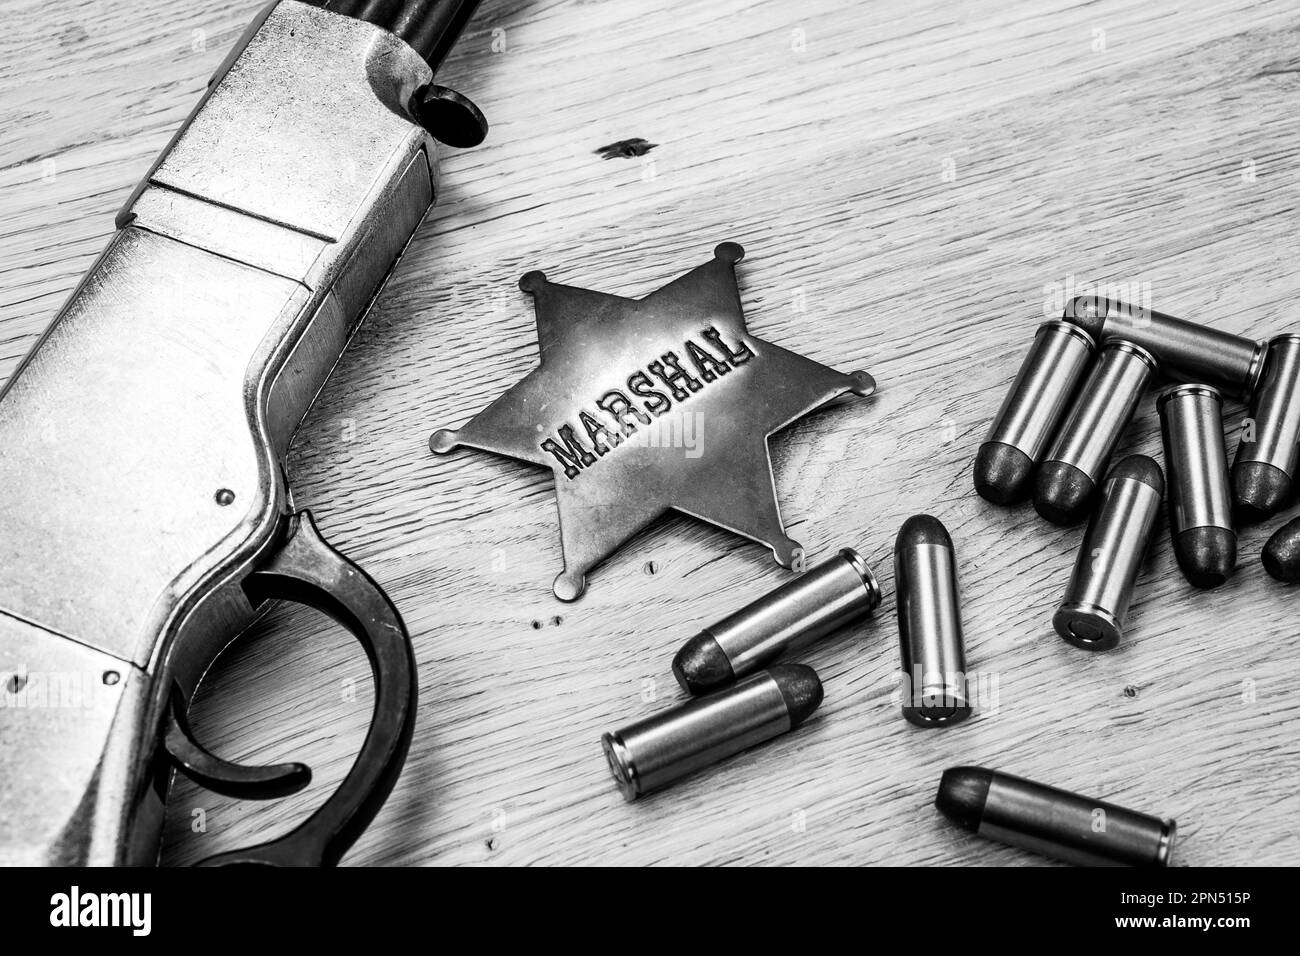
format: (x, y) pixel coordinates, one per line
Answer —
(622, 433)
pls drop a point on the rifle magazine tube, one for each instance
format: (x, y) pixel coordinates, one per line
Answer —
(1186, 351)
(1200, 502)
(1092, 614)
(1068, 478)
(1269, 450)
(929, 624)
(1053, 822)
(653, 753)
(1047, 381)
(428, 26)
(818, 602)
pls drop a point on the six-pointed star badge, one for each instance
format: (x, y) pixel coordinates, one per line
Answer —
(640, 406)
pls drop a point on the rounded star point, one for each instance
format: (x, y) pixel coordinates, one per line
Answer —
(789, 553)
(729, 252)
(532, 281)
(444, 440)
(569, 587)
(865, 384)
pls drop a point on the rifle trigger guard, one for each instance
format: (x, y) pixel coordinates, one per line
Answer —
(307, 570)
(221, 776)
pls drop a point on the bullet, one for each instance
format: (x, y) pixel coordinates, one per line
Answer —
(1096, 602)
(1185, 351)
(929, 624)
(1067, 480)
(1269, 450)
(1055, 823)
(653, 753)
(1281, 555)
(821, 600)
(1200, 502)
(1047, 381)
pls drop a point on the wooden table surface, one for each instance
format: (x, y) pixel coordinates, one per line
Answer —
(917, 184)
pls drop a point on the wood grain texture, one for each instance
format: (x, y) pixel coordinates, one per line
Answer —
(915, 183)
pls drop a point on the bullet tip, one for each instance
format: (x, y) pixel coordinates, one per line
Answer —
(801, 688)
(962, 794)
(1207, 555)
(1063, 494)
(702, 665)
(1088, 312)
(1261, 490)
(923, 529)
(1140, 468)
(1281, 555)
(1003, 474)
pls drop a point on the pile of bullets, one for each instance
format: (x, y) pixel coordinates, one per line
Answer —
(741, 698)
(1077, 391)
(1052, 441)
